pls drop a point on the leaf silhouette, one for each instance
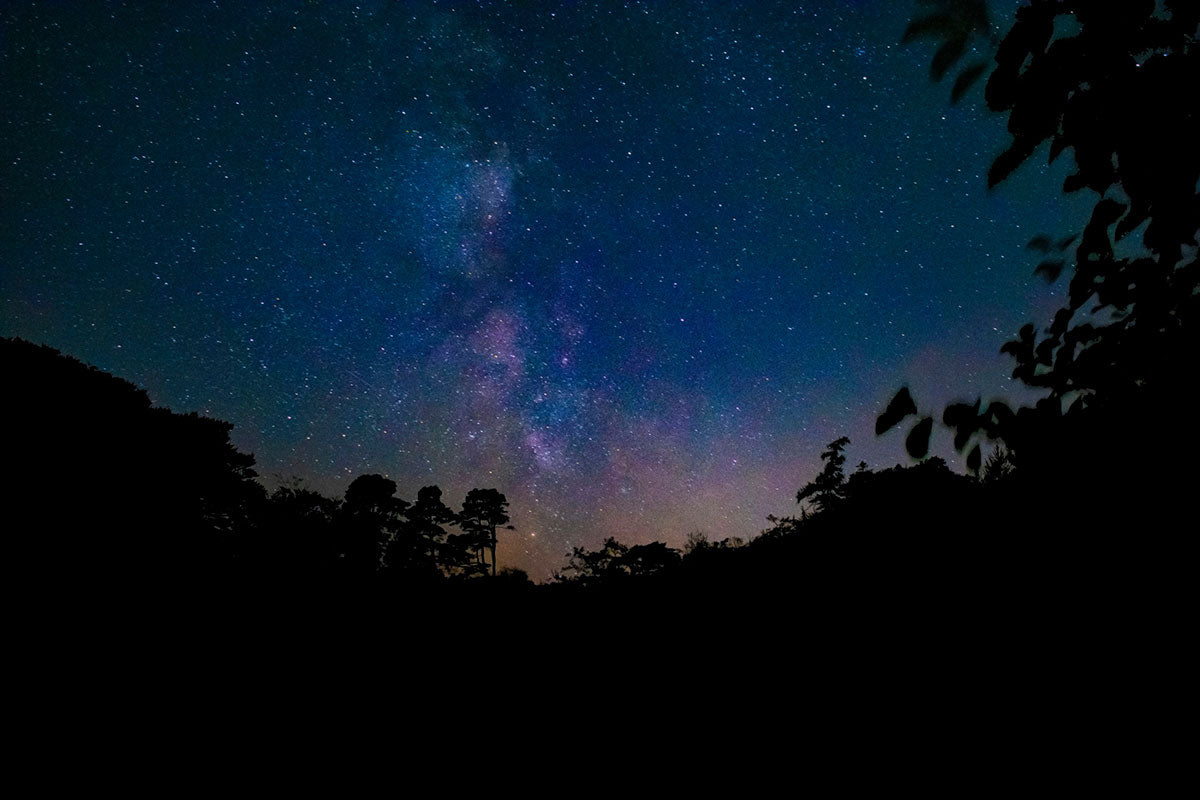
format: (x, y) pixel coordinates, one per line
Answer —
(1130, 222)
(917, 443)
(956, 415)
(1022, 346)
(901, 406)
(950, 52)
(937, 25)
(1095, 235)
(1108, 211)
(1009, 160)
(1051, 269)
(1057, 145)
(1062, 318)
(1041, 243)
(966, 79)
(1021, 350)
(1045, 351)
(1073, 183)
(964, 419)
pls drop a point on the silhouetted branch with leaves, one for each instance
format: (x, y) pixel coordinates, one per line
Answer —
(1114, 83)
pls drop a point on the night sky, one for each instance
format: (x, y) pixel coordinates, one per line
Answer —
(632, 264)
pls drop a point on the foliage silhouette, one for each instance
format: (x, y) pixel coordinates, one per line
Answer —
(166, 499)
(648, 560)
(614, 563)
(1115, 84)
(955, 24)
(907, 543)
(825, 490)
(998, 466)
(589, 567)
(426, 548)
(900, 407)
(371, 517)
(696, 540)
(151, 493)
(483, 511)
(295, 535)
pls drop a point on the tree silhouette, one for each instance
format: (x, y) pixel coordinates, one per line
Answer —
(371, 517)
(483, 511)
(614, 563)
(826, 490)
(116, 495)
(295, 533)
(114, 492)
(602, 566)
(423, 540)
(998, 466)
(697, 540)
(647, 560)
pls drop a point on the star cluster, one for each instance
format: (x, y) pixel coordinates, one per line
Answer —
(633, 264)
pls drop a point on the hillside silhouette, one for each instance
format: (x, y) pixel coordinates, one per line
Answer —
(120, 497)
(144, 538)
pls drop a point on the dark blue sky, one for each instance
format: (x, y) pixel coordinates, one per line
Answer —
(632, 264)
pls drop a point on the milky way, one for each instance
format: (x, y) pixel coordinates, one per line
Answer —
(631, 264)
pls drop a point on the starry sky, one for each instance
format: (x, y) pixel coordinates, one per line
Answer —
(632, 264)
